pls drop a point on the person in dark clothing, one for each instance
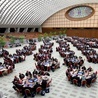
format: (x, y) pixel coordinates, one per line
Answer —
(47, 73)
(44, 83)
(21, 76)
(35, 72)
(79, 81)
(18, 87)
(16, 80)
(35, 87)
(28, 73)
(20, 60)
(53, 67)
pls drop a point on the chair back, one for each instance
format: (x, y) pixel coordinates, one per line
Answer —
(37, 67)
(93, 80)
(42, 68)
(69, 78)
(83, 83)
(48, 85)
(38, 89)
(75, 81)
(27, 92)
(48, 68)
(1, 73)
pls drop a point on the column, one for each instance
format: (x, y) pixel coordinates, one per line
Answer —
(25, 30)
(7, 30)
(33, 29)
(40, 29)
(17, 30)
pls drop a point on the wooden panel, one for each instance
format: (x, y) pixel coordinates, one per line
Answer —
(90, 33)
(81, 32)
(48, 30)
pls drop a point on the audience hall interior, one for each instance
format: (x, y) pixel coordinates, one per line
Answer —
(49, 49)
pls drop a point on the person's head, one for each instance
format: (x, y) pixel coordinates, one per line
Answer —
(35, 76)
(80, 57)
(90, 67)
(0, 63)
(19, 73)
(15, 77)
(39, 75)
(34, 69)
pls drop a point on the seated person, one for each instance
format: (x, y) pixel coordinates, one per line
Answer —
(21, 76)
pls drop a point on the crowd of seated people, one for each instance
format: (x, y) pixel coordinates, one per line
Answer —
(69, 55)
(48, 64)
(19, 56)
(81, 76)
(3, 52)
(14, 58)
(32, 83)
(86, 49)
(73, 61)
(92, 42)
(27, 50)
(64, 49)
(45, 49)
(58, 37)
(32, 42)
(42, 56)
(6, 68)
(47, 43)
(11, 59)
(63, 46)
(44, 60)
(13, 45)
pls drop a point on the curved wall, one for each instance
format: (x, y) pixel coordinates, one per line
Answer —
(59, 20)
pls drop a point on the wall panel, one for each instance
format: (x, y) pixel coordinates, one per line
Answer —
(90, 33)
(59, 19)
(81, 32)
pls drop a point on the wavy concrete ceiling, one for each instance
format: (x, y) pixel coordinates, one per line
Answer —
(32, 13)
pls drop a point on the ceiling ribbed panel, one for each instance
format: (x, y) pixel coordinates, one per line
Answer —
(24, 14)
(15, 12)
(32, 12)
(7, 8)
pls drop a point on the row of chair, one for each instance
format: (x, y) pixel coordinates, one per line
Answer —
(83, 83)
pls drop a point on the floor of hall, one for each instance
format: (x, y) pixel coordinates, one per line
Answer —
(60, 87)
